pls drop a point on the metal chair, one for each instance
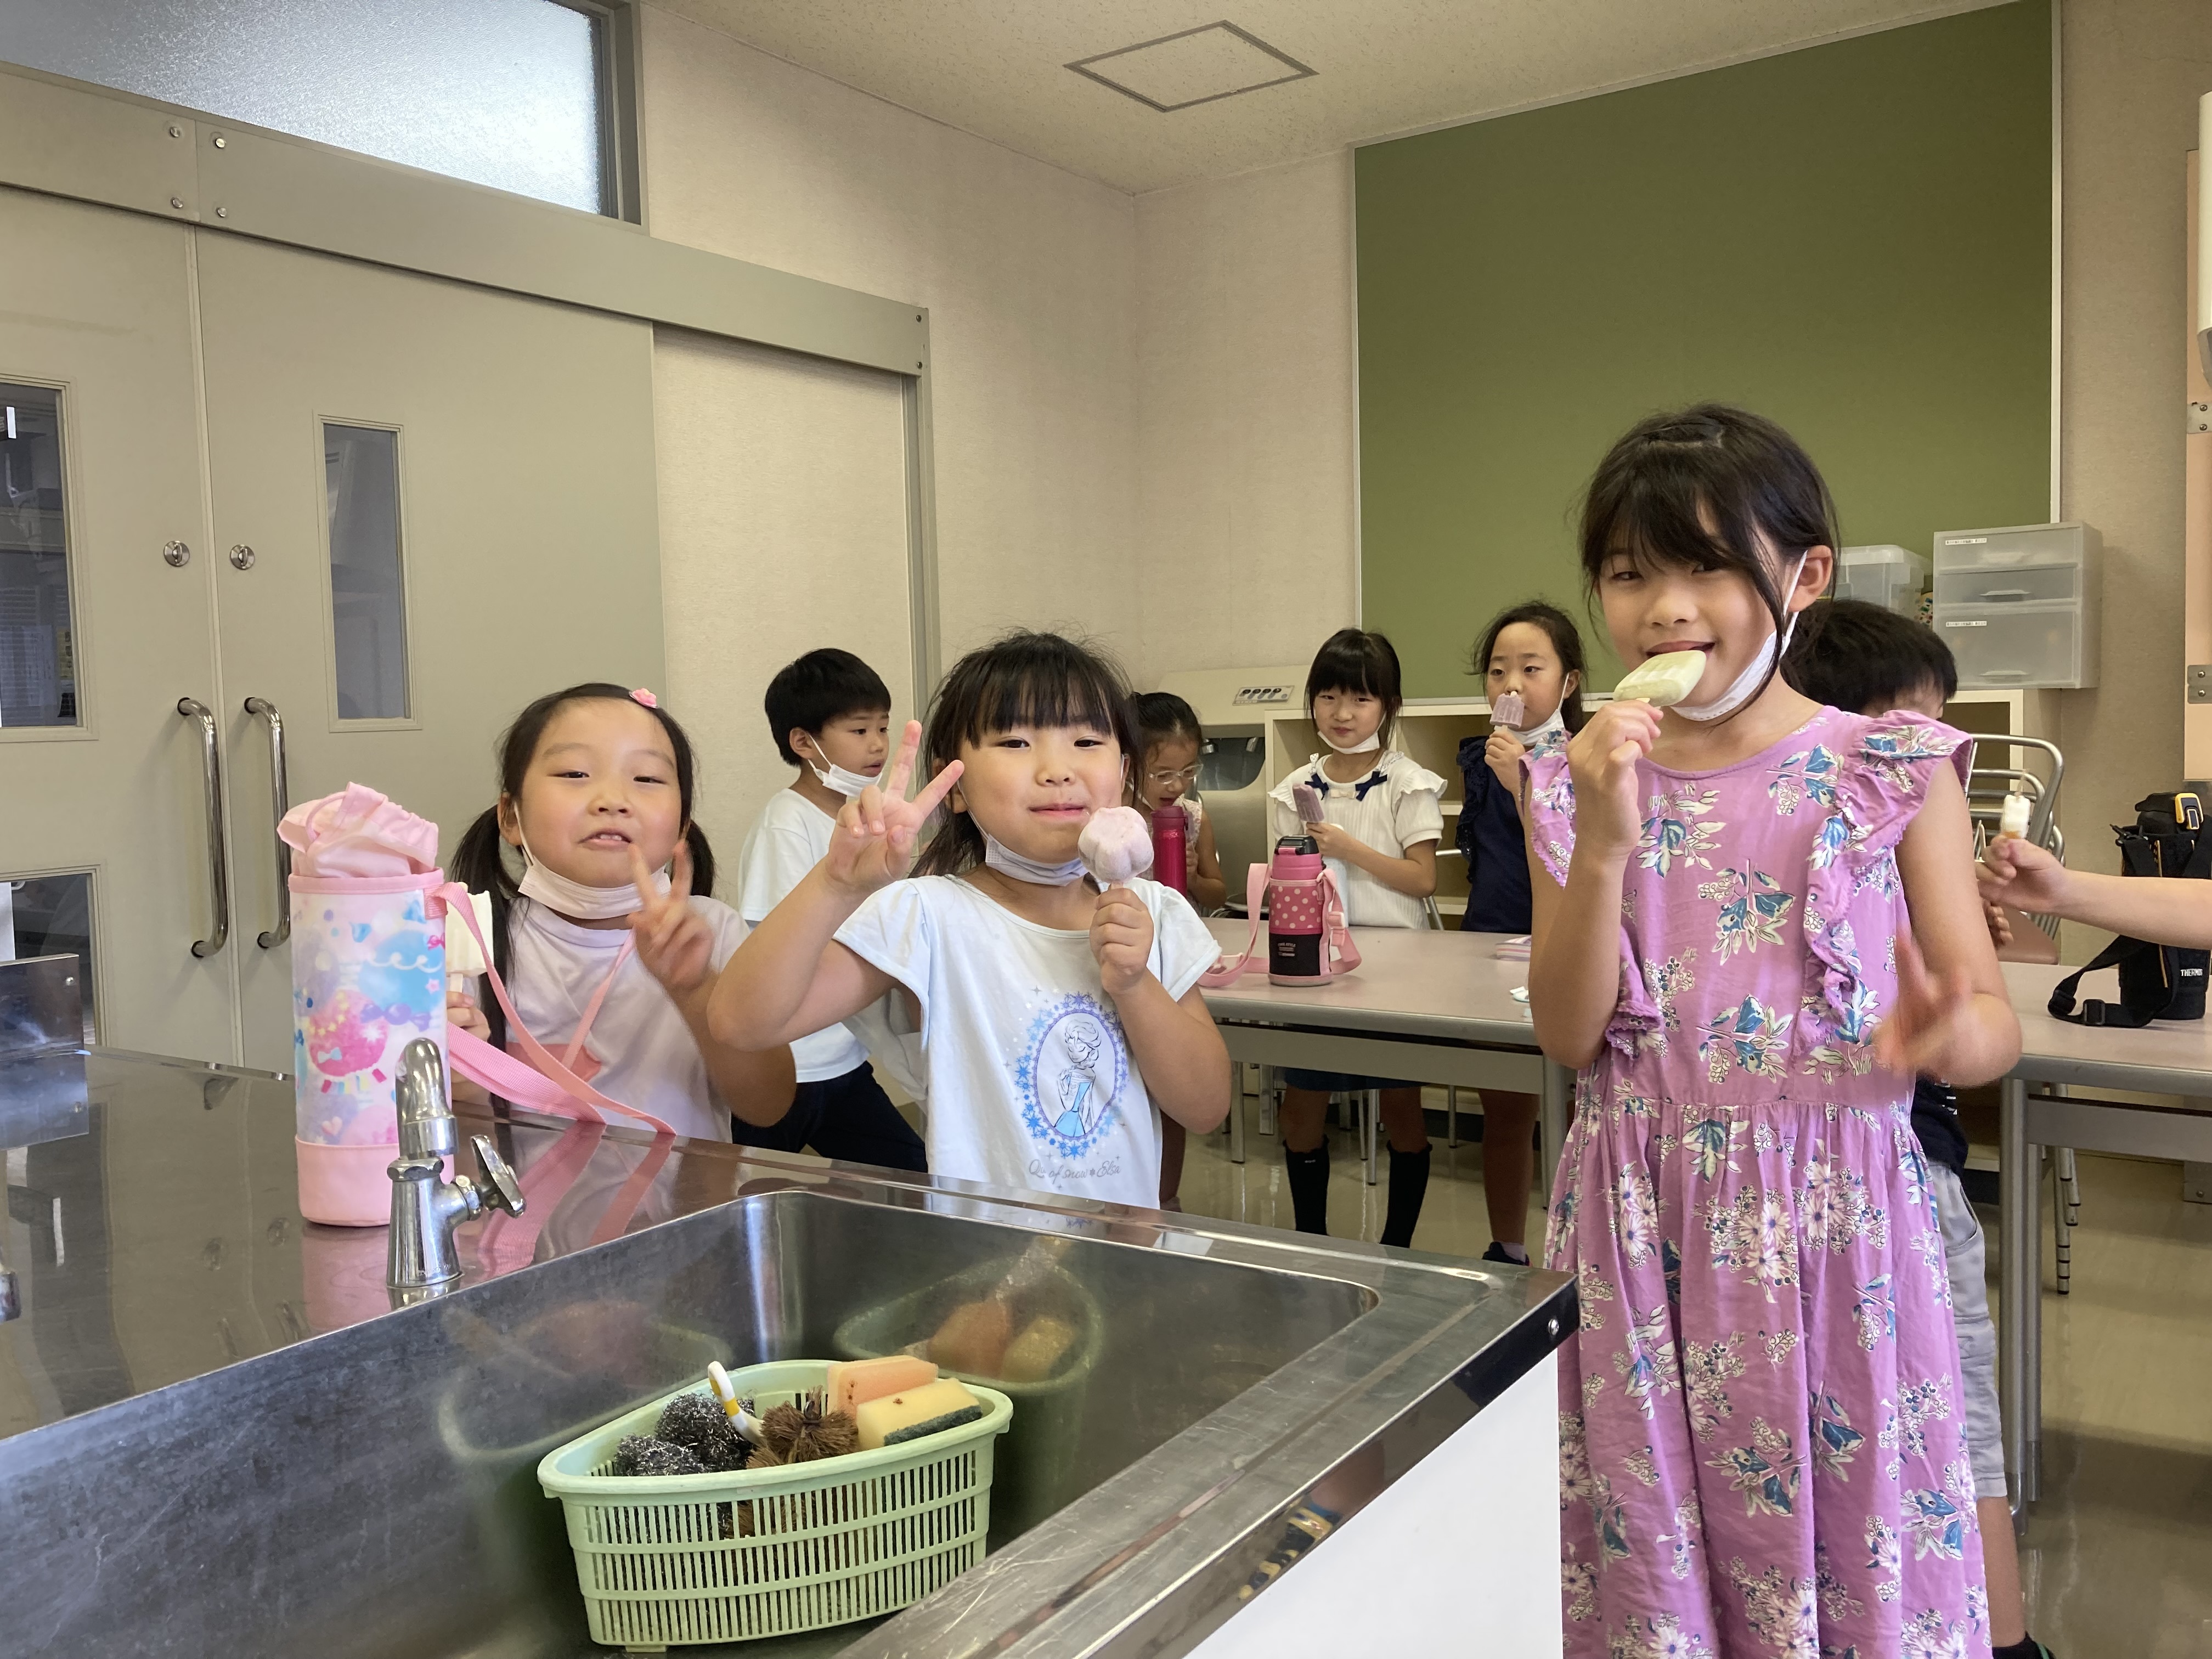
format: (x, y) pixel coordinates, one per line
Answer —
(1986, 789)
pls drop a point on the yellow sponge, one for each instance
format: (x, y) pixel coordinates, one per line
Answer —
(1036, 1352)
(898, 1418)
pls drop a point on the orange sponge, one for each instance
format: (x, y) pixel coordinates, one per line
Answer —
(855, 1381)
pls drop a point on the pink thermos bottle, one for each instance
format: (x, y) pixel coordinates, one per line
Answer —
(1170, 863)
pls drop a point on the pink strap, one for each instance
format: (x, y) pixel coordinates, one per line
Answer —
(1340, 931)
(549, 1085)
(1343, 955)
(546, 1084)
(592, 1012)
(1223, 971)
(509, 1242)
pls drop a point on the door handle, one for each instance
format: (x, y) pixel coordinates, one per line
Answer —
(280, 791)
(211, 778)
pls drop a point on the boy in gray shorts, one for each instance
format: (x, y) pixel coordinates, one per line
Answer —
(1849, 654)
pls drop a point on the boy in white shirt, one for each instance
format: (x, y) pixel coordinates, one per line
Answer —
(829, 714)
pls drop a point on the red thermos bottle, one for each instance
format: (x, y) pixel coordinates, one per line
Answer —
(1170, 863)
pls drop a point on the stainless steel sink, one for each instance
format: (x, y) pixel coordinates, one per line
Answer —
(372, 1490)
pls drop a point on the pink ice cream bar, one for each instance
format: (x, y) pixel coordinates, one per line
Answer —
(1115, 845)
(1507, 709)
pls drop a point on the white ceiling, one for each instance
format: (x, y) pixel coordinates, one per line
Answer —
(996, 67)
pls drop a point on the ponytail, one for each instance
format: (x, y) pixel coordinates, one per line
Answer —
(702, 861)
(479, 864)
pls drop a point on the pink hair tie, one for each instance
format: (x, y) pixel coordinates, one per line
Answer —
(646, 698)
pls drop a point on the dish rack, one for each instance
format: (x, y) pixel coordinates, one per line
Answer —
(664, 1560)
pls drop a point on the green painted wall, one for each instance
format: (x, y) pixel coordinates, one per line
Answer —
(1854, 239)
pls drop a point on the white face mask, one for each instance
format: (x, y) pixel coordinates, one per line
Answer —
(1007, 862)
(574, 898)
(837, 779)
(1527, 736)
(1754, 674)
(1366, 745)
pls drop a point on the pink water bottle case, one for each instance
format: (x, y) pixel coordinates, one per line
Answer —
(1308, 941)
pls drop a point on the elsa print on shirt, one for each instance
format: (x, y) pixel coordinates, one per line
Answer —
(1071, 1074)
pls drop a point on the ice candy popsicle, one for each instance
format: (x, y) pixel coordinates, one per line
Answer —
(2012, 820)
(1662, 681)
(1507, 709)
(1115, 845)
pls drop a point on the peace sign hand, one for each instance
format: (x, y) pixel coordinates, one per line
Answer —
(672, 940)
(874, 845)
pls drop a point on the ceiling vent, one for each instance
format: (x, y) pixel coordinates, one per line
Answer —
(1197, 66)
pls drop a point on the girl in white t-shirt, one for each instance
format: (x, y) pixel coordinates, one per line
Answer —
(1057, 1022)
(1380, 823)
(609, 955)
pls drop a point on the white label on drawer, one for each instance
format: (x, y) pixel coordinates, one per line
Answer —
(1975, 623)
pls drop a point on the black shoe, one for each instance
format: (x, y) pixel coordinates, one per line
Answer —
(1409, 1185)
(1309, 1178)
(1497, 1253)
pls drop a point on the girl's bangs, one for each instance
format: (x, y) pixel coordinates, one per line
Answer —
(1652, 527)
(1068, 693)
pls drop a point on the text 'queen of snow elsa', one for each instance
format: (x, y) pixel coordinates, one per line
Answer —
(1754, 920)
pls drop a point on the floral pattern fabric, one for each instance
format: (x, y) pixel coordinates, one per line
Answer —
(1761, 1431)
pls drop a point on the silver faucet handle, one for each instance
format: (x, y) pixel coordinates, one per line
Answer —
(426, 1119)
(500, 1188)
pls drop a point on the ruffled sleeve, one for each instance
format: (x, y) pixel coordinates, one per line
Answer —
(1551, 809)
(1869, 777)
(1417, 806)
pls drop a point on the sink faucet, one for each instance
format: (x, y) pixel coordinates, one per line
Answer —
(425, 1206)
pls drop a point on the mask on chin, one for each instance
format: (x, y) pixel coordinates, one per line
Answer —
(1748, 683)
(574, 898)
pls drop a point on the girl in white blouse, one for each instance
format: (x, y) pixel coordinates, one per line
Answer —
(1381, 821)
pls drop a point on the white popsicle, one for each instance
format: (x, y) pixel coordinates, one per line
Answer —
(1662, 681)
(1115, 845)
(2013, 819)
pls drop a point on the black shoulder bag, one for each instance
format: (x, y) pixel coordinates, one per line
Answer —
(2157, 981)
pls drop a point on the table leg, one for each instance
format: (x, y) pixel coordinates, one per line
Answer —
(2019, 1283)
(1451, 1117)
(1553, 1107)
(1266, 1100)
(1371, 1119)
(1236, 1113)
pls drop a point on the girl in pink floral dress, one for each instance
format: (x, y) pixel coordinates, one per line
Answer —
(1755, 920)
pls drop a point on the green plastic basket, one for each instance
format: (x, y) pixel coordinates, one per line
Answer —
(664, 1560)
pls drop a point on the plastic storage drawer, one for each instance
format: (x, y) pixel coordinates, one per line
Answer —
(2009, 585)
(2000, 646)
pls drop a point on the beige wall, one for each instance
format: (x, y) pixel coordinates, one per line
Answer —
(783, 527)
(1028, 274)
(1244, 402)
(2133, 70)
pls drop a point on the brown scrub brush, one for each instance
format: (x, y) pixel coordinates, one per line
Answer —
(803, 1433)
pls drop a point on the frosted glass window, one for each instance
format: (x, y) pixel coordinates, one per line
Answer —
(37, 672)
(504, 93)
(369, 601)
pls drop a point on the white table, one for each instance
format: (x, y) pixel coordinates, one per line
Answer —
(1427, 1006)
(2166, 1060)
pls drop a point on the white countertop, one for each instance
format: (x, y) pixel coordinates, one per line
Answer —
(1410, 982)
